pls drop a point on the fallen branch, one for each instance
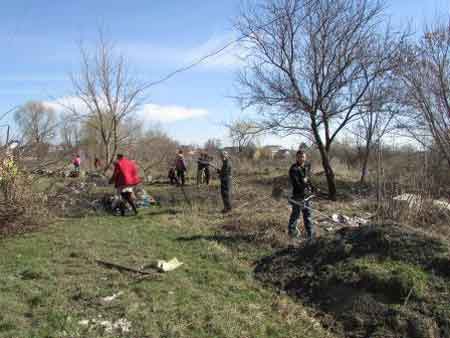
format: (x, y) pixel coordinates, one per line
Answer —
(124, 268)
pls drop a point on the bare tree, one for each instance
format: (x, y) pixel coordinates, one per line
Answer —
(70, 132)
(155, 149)
(376, 119)
(109, 96)
(213, 145)
(242, 133)
(310, 64)
(36, 121)
(425, 73)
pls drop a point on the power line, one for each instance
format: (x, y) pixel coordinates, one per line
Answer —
(218, 51)
(195, 63)
(8, 112)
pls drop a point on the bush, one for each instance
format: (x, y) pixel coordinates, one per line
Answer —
(20, 206)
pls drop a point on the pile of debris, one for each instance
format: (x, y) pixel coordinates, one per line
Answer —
(111, 203)
(339, 221)
(81, 197)
(97, 178)
(143, 199)
(73, 199)
(58, 172)
(416, 201)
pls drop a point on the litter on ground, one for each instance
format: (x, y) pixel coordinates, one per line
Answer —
(122, 325)
(349, 221)
(166, 266)
(111, 298)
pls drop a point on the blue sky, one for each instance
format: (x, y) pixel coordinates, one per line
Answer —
(39, 44)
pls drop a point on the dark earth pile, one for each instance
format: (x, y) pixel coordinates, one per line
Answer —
(377, 281)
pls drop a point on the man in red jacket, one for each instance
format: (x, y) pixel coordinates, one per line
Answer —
(125, 177)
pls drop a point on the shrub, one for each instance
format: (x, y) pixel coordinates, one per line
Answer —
(20, 206)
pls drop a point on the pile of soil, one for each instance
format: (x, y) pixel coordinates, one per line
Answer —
(373, 281)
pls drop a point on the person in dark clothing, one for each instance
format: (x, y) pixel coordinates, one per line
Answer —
(172, 175)
(128, 197)
(181, 168)
(299, 175)
(203, 167)
(97, 163)
(225, 175)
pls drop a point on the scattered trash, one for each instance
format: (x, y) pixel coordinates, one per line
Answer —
(349, 221)
(339, 218)
(111, 298)
(166, 266)
(143, 199)
(122, 324)
(360, 220)
(84, 322)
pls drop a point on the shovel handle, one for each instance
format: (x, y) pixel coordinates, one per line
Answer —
(300, 203)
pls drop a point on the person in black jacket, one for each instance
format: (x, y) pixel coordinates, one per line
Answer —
(181, 168)
(225, 182)
(203, 167)
(299, 175)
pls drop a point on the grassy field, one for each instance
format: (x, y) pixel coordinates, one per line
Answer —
(51, 285)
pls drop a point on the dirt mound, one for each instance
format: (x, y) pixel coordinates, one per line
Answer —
(373, 281)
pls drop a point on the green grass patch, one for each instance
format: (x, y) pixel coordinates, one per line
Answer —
(397, 279)
(50, 284)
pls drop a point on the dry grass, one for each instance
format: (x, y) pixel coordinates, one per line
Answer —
(21, 207)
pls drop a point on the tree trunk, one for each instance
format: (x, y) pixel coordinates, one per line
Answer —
(366, 156)
(324, 154)
(331, 182)
(329, 173)
(107, 158)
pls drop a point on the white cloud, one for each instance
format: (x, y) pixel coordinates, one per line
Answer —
(167, 114)
(66, 103)
(148, 112)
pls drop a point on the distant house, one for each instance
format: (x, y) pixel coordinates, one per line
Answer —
(272, 150)
(283, 153)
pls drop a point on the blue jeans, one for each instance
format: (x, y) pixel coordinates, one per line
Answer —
(307, 219)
